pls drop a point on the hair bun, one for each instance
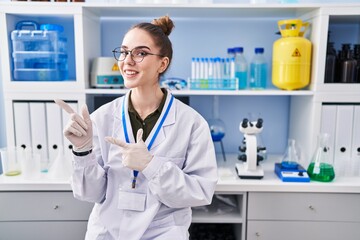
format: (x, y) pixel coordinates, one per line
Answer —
(165, 23)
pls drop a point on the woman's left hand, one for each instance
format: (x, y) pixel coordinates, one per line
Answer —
(135, 155)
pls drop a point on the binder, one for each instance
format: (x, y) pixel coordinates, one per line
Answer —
(65, 119)
(328, 125)
(39, 132)
(344, 129)
(54, 130)
(355, 148)
(22, 124)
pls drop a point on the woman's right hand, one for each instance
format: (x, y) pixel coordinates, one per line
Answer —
(78, 130)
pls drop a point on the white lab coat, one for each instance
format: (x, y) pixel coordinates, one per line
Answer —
(182, 174)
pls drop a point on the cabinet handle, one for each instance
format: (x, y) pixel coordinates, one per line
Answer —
(56, 207)
(257, 234)
(311, 208)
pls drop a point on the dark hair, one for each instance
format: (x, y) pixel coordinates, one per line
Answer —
(159, 29)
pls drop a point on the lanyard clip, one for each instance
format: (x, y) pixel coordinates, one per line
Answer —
(133, 184)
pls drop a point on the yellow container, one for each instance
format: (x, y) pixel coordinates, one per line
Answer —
(291, 62)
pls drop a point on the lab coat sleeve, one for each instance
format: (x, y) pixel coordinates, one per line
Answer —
(88, 180)
(192, 185)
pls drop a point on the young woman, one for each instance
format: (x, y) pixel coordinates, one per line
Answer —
(145, 158)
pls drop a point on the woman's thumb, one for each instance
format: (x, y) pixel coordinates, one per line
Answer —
(139, 135)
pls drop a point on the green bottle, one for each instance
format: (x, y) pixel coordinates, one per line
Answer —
(321, 168)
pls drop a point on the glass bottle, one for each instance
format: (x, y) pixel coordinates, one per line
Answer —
(330, 66)
(321, 166)
(357, 58)
(347, 65)
(241, 68)
(258, 70)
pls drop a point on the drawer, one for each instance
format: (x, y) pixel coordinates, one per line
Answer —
(304, 206)
(297, 230)
(40, 206)
(43, 230)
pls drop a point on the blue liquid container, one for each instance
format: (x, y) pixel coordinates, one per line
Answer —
(241, 67)
(258, 70)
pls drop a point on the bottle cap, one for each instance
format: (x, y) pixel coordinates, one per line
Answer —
(259, 50)
(230, 50)
(239, 49)
(51, 27)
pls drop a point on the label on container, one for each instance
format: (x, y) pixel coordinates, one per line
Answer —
(316, 168)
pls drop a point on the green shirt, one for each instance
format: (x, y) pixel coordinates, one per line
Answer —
(149, 122)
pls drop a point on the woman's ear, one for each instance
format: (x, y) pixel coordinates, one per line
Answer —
(164, 64)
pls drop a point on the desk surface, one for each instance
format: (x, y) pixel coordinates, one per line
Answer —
(228, 182)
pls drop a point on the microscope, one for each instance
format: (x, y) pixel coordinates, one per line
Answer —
(250, 168)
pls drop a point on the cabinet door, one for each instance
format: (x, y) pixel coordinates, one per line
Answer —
(41, 206)
(296, 230)
(43, 230)
(304, 207)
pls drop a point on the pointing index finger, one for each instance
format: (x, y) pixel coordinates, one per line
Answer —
(64, 106)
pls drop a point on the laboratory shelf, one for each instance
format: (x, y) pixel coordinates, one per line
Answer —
(198, 10)
(272, 92)
(214, 218)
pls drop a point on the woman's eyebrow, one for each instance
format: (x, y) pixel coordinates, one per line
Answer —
(125, 47)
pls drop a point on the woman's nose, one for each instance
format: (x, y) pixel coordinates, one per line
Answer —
(128, 59)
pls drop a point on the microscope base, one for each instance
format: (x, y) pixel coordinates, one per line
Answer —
(244, 173)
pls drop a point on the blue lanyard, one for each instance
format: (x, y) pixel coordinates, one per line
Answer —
(135, 173)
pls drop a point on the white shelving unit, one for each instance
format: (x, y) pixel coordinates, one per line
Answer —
(96, 28)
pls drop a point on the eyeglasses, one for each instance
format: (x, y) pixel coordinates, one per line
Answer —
(137, 54)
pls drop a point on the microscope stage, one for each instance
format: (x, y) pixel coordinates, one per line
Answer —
(244, 173)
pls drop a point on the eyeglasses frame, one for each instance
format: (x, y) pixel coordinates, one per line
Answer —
(132, 56)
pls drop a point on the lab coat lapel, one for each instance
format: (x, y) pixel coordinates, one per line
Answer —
(170, 119)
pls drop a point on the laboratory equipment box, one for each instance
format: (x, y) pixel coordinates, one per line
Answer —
(39, 52)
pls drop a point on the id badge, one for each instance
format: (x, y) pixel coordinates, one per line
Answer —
(131, 201)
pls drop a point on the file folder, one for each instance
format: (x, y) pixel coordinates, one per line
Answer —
(65, 119)
(344, 130)
(355, 149)
(39, 133)
(54, 130)
(328, 125)
(22, 124)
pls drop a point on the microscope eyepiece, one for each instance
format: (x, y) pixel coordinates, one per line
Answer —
(244, 123)
(259, 123)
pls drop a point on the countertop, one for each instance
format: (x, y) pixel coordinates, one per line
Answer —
(228, 182)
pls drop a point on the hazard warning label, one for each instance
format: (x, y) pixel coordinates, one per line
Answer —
(296, 53)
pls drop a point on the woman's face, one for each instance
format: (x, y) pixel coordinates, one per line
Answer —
(144, 73)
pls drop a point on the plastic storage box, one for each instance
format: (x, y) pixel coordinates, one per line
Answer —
(39, 53)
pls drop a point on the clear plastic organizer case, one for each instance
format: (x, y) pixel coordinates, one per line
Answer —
(38, 40)
(39, 52)
(213, 84)
(40, 74)
(40, 66)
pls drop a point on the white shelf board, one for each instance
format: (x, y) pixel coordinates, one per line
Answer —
(273, 92)
(196, 10)
(203, 217)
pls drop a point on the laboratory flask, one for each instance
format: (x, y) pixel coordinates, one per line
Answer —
(291, 157)
(321, 167)
(291, 60)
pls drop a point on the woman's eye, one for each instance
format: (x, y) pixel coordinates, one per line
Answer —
(141, 53)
